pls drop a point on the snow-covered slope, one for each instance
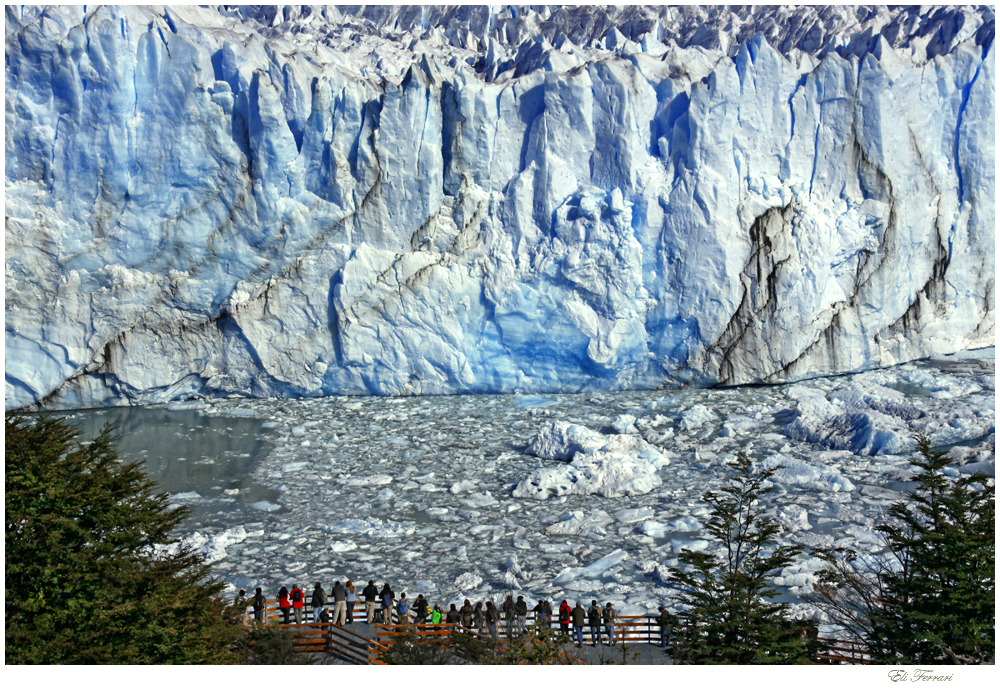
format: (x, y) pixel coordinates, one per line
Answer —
(406, 200)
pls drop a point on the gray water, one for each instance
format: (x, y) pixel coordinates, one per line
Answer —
(188, 451)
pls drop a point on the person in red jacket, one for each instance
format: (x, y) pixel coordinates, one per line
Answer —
(298, 601)
(565, 615)
(284, 604)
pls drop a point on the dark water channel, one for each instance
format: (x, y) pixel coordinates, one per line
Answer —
(188, 452)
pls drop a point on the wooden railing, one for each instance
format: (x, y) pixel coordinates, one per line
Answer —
(355, 648)
(427, 632)
(844, 652)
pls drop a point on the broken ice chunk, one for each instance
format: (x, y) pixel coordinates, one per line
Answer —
(592, 571)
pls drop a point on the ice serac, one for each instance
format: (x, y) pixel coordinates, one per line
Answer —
(299, 201)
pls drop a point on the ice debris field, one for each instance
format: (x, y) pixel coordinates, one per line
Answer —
(572, 496)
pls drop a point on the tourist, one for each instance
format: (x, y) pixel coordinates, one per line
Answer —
(403, 608)
(609, 623)
(548, 613)
(387, 596)
(564, 617)
(259, 606)
(339, 604)
(520, 614)
(579, 618)
(541, 617)
(421, 609)
(466, 612)
(318, 602)
(298, 603)
(594, 620)
(284, 604)
(665, 625)
(479, 618)
(453, 616)
(240, 601)
(436, 616)
(352, 599)
(508, 614)
(370, 593)
(492, 616)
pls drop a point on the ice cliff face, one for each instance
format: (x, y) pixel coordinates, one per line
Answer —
(295, 202)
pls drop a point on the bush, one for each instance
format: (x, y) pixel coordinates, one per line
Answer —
(84, 583)
(930, 597)
(535, 646)
(271, 645)
(727, 617)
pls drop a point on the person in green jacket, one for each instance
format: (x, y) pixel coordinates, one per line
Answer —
(436, 615)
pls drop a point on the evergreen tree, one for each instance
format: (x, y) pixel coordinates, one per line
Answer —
(84, 583)
(929, 598)
(727, 616)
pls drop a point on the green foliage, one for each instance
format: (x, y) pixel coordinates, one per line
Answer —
(727, 616)
(930, 598)
(83, 584)
(410, 649)
(535, 646)
(271, 645)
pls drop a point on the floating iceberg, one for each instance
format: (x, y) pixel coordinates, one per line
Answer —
(605, 465)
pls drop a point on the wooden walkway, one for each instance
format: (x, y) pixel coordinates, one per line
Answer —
(344, 645)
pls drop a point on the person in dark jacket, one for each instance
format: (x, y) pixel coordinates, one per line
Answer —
(259, 606)
(370, 593)
(594, 621)
(453, 616)
(609, 623)
(387, 596)
(541, 617)
(665, 625)
(317, 602)
(466, 612)
(579, 618)
(284, 604)
(492, 617)
(339, 603)
(520, 615)
(564, 617)
(421, 609)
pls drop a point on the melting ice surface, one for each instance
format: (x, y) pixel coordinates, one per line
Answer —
(423, 491)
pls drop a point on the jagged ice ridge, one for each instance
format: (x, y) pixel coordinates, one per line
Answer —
(299, 202)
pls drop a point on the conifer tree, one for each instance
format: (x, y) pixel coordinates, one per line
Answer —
(84, 582)
(929, 597)
(728, 615)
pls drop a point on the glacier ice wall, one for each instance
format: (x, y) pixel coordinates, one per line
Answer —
(213, 202)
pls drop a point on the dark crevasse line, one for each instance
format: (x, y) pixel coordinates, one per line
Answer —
(966, 92)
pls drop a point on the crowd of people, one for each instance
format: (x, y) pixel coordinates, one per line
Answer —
(337, 608)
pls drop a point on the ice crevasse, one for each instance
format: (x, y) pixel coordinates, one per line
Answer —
(200, 204)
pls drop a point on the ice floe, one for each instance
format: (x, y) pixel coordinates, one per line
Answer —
(603, 465)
